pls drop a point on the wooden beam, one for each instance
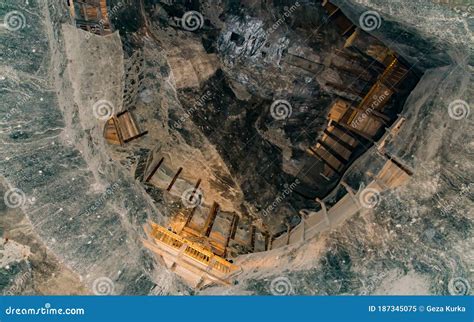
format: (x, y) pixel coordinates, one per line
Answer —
(135, 137)
(231, 233)
(252, 238)
(325, 211)
(210, 219)
(345, 89)
(267, 241)
(398, 164)
(333, 152)
(234, 231)
(351, 192)
(347, 55)
(356, 134)
(348, 188)
(320, 157)
(288, 230)
(382, 118)
(153, 171)
(343, 143)
(174, 179)
(354, 72)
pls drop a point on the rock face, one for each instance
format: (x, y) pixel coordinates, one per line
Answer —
(76, 203)
(85, 209)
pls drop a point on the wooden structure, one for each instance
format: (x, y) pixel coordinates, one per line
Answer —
(222, 233)
(352, 126)
(195, 264)
(392, 175)
(122, 128)
(362, 42)
(390, 134)
(91, 15)
(345, 26)
(303, 63)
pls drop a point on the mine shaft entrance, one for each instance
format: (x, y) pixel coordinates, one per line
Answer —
(315, 150)
(354, 112)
